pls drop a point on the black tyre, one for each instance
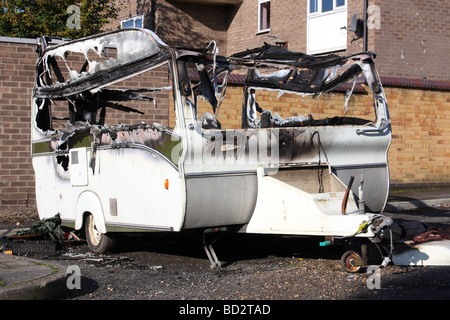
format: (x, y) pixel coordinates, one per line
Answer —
(97, 241)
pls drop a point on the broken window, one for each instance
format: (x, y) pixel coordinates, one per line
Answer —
(279, 89)
(218, 103)
(99, 85)
(85, 80)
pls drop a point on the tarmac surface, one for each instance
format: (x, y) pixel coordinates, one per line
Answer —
(24, 278)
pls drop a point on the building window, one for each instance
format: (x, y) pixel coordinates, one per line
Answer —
(263, 15)
(324, 27)
(313, 6)
(321, 6)
(135, 22)
(327, 5)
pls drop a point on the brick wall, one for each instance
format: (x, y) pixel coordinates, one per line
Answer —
(420, 152)
(414, 39)
(180, 23)
(17, 61)
(288, 23)
(183, 24)
(243, 24)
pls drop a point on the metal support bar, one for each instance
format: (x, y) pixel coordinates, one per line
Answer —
(384, 123)
(364, 254)
(209, 250)
(365, 26)
(383, 126)
(345, 200)
(361, 196)
(215, 263)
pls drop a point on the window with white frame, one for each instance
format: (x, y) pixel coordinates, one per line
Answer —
(325, 32)
(134, 22)
(263, 15)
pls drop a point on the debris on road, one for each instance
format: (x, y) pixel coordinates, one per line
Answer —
(29, 248)
(44, 237)
(43, 229)
(441, 205)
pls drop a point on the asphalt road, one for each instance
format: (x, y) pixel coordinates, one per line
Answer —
(174, 267)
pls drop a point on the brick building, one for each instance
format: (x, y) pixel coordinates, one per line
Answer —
(411, 39)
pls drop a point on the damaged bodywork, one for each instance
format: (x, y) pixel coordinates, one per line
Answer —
(267, 172)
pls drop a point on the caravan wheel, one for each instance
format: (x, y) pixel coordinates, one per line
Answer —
(351, 261)
(97, 241)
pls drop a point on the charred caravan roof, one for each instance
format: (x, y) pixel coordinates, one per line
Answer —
(136, 51)
(307, 74)
(140, 49)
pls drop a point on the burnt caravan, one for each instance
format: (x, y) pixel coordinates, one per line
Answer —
(268, 173)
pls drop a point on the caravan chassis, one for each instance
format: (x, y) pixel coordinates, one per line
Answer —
(290, 177)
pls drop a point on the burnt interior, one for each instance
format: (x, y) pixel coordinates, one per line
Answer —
(270, 68)
(202, 74)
